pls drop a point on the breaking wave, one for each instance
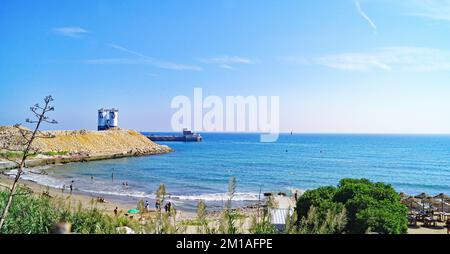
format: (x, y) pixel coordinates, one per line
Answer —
(38, 175)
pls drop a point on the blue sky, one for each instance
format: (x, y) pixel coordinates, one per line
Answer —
(367, 66)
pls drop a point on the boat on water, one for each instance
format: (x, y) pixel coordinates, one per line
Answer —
(187, 136)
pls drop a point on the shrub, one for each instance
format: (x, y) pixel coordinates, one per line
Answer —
(261, 222)
(56, 153)
(321, 199)
(28, 215)
(31, 214)
(370, 207)
(314, 223)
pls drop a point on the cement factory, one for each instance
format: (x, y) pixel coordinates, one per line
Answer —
(108, 119)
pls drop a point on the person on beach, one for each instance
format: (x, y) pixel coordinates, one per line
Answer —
(167, 207)
(92, 178)
(447, 225)
(63, 187)
(146, 205)
(157, 204)
(115, 211)
(71, 188)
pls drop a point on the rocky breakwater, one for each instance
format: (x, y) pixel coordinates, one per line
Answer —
(80, 145)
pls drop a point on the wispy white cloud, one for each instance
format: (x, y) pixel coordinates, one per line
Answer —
(432, 9)
(176, 67)
(389, 59)
(74, 32)
(129, 51)
(227, 60)
(141, 60)
(226, 66)
(365, 16)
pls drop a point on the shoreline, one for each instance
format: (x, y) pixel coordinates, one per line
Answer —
(87, 200)
(53, 160)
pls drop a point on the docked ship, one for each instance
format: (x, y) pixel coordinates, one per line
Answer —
(188, 136)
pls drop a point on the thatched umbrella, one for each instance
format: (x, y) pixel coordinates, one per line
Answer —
(403, 195)
(431, 201)
(422, 196)
(410, 202)
(443, 198)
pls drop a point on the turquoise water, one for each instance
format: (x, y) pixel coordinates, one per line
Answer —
(412, 164)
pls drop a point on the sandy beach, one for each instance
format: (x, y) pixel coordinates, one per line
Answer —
(422, 230)
(76, 198)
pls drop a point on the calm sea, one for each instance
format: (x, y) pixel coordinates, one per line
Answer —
(412, 164)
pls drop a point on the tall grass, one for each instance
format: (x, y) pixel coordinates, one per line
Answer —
(230, 218)
(30, 214)
(261, 222)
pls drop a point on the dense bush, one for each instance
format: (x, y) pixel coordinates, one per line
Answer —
(31, 214)
(370, 207)
(28, 215)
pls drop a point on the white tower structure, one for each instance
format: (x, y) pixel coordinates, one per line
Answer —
(113, 118)
(102, 119)
(107, 119)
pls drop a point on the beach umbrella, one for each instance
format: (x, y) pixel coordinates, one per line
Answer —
(443, 198)
(431, 202)
(424, 198)
(133, 211)
(410, 201)
(422, 195)
(403, 195)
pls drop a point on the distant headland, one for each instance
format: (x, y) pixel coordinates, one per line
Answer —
(78, 145)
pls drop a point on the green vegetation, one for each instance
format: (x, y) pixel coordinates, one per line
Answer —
(61, 153)
(261, 222)
(202, 222)
(369, 207)
(39, 214)
(229, 216)
(13, 154)
(19, 154)
(316, 222)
